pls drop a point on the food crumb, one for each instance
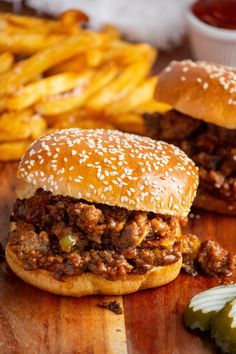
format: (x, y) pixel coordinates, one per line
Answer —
(113, 306)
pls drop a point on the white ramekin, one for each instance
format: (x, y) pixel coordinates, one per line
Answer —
(210, 43)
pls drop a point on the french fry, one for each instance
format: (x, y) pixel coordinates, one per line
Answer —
(153, 106)
(27, 69)
(112, 31)
(142, 94)
(81, 118)
(14, 150)
(120, 87)
(3, 106)
(37, 125)
(71, 18)
(49, 86)
(12, 29)
(126, 53)
(94, 57)
(77, 99)
(29, 23)
(129, 122)
(20, 126)
(22, 24)
(6, 61)
(85, 124)
(75, 64)
(90, 58)
(64, 76)
(28, 43)
(73, 116)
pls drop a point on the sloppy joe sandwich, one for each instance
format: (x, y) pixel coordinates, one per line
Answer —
(99, 212)
(203, 124)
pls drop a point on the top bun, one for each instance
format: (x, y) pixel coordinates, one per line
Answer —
(201, 90)
(111, 167)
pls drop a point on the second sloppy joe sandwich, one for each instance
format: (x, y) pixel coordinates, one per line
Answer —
(203, 124)
(99, 212)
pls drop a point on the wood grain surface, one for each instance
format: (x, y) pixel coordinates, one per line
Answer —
(33, 321)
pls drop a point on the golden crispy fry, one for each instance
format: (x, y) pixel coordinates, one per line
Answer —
(22, 125)
(72, 76)
(125, 53)
(82, 118)
(12, 29)
(112, 31)
(75, 64)
(85, 124)
(6, 61)
(50, 130)
(29, 68)
(129, 122)
(14, 150)
(120, 87)
(73, 116)
(92, 57)
(77, 98)
(73, 17)
(49, 86)
(24, 24)
(28, 22)
(153, 106)
(143, 93)
(3, 106)
(28, 43)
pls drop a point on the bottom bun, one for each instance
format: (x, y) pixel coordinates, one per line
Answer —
(206, 201)
(91, 284)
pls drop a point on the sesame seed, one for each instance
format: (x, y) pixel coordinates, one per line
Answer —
(168, 69)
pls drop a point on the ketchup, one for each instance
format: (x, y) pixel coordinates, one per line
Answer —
(217, 13)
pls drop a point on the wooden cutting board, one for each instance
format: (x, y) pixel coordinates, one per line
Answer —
(33, 321)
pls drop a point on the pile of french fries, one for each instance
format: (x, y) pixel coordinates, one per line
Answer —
(58, 74)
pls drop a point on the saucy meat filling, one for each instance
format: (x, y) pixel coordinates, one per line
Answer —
(67, 236)
(211, 147)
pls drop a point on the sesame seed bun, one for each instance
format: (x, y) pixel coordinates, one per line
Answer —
(91, 284)
(201, 90)
(111, 167)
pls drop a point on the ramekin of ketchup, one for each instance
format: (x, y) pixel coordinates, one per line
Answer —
(217, 13)
(212, 30)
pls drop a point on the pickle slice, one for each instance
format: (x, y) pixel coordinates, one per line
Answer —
(205, 305)
(224, 328)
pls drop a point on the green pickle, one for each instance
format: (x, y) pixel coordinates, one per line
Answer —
(203, 307)
(224, 328)
(67, 242)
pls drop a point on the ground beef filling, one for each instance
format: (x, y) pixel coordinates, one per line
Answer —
(211, 147)
(68, 236)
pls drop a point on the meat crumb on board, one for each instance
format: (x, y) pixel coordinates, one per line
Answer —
(113, 306)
